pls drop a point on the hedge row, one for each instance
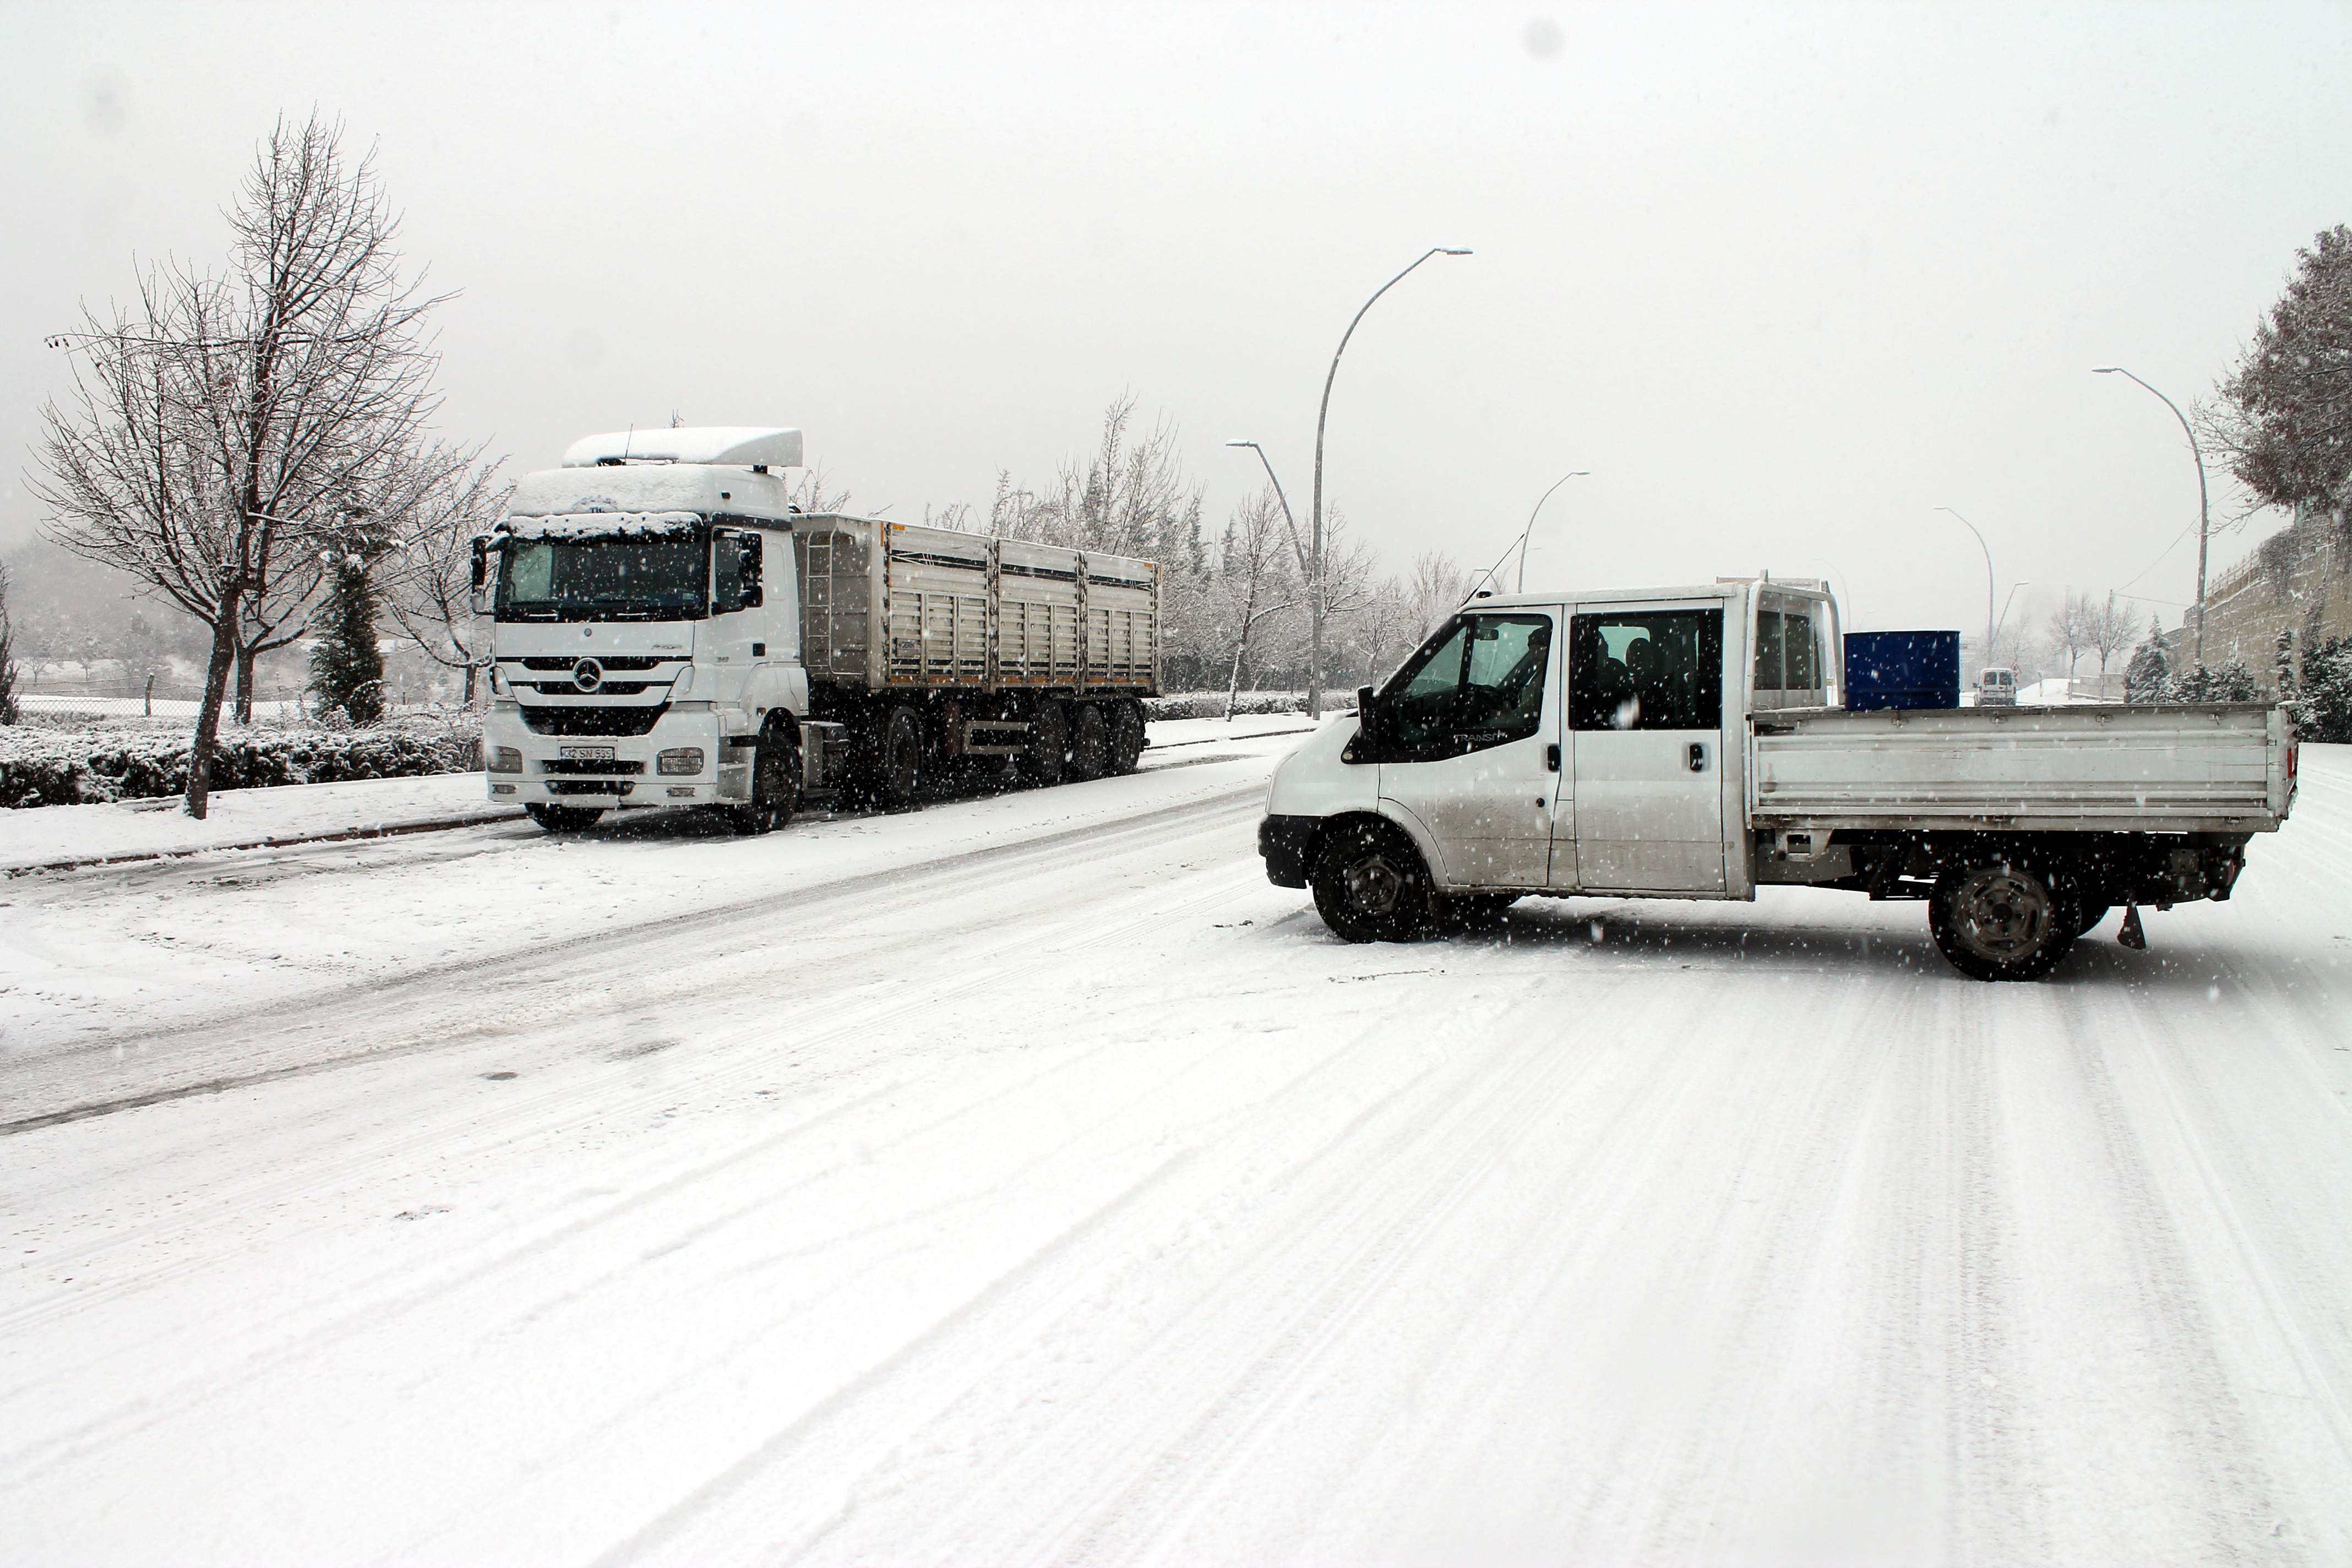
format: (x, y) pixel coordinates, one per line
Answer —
(75, 767)
(1211, 704)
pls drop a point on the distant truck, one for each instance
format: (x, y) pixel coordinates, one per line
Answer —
(1694, 744)
(669, 629)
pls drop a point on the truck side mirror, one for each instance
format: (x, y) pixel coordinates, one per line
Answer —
(481, 594)
(750, 558)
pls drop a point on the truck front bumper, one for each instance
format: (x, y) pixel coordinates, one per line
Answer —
(609, 771)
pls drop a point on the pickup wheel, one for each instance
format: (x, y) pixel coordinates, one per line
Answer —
(2003, 918)
(2088, 920)
(1125, 737)
(1089, 743)
(1370, 883)
(899, 759)
(1047, 753)
(775, 786)
(564, 818)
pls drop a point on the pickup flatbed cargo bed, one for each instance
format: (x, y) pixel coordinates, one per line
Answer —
(2201, 768)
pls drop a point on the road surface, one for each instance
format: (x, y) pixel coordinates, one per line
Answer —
(1025, 1180)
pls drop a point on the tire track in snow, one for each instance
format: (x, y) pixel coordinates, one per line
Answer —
(331, 1017)
(850, 1016)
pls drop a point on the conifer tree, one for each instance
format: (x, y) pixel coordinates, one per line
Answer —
(346, 666)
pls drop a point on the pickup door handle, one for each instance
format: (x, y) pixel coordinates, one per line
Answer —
(1551, 758)
(1698, 756)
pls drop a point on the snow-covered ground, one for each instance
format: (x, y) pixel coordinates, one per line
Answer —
(1024, 1178)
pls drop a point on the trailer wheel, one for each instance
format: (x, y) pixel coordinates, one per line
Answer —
(2003, 917)
(898, 764)
(1046, 756)
(564, 818)
(1089, 743)
(1125, 737)
(776, 785)
(1370, 883)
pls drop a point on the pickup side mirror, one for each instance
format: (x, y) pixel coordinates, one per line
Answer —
(1366, 746)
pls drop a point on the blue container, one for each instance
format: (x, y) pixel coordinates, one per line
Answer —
(1901, 669)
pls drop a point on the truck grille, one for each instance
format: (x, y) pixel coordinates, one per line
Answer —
(599, 770)
(620, 661)
(588, 786)
(566, 721)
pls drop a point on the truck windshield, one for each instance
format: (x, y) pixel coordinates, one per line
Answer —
(613, 577)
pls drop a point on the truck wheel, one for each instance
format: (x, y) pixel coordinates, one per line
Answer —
(898, 764)
(775, 786)
(1125, 737)
(1370, 884)
(2003, 918)
(1046, 757)
(1089, 743)
(2090, 917)
(564, 818)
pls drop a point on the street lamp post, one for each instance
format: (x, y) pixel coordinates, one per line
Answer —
(1528, 533)
(2204, 512)
(1315, 605)
(1987, 555)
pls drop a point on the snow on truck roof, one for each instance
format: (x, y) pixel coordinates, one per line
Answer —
(736, 445)
(643, 488)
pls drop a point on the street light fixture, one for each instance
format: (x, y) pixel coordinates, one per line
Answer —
(1987, 555)
(1298, 548)
(2204, 512)
(1528, 531)
(1322, 415)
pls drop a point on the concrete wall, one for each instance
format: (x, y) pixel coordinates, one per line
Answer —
(2299, 580)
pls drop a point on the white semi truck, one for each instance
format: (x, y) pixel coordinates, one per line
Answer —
(670, 630)
(1692, 743)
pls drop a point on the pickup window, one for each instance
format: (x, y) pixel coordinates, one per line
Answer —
(1646, 669)
(1477, 683)
(1788, 658)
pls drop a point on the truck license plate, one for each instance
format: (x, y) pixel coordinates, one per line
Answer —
(588, 753)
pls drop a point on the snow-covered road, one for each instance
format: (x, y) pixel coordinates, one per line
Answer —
(1024, 1179)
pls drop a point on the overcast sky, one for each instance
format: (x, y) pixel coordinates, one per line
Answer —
(1785, 279)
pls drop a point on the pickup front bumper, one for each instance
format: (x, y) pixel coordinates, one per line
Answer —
(1284, 843)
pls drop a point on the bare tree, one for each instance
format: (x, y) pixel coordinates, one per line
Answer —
(2113, 627)
(2070, 627)
(1437, 587)
(427, 578)
(1252, 582)
(8, 707)
(220, 427)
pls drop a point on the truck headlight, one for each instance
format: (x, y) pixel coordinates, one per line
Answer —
(498, 685)
(505, 760)
(684, 684)
(681, 762)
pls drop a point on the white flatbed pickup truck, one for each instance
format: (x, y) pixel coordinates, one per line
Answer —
(1692, 744)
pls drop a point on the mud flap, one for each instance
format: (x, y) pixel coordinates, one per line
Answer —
(2133, 936)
